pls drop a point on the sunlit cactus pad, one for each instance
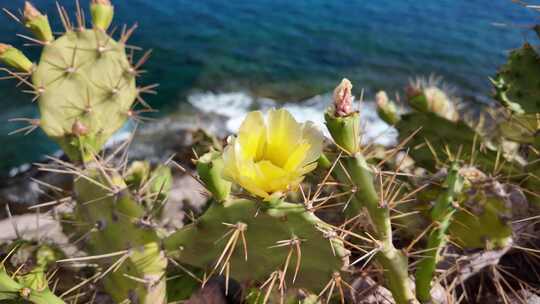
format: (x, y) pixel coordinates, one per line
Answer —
(85, 89)
(267, 232)
(517, 84)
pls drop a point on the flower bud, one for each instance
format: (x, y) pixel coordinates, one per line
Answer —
(342, 122)
(102, 14)
(343, 98)
(386, 108)
(37, 23)
(14, 58)
(30, 12)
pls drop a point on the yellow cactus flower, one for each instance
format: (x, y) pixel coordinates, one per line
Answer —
(272, 155)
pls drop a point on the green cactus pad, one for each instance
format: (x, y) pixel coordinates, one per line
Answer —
(482, 220)
(85, 91)
(119, 224)
(523, 128)
(440, 132)
(201, 243)
(517, 84)
(486, 223)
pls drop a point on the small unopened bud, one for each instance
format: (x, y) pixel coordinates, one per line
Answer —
(102, 14)
(343, 98)
(386, 108)
(342, 122)
(30, 12)
(14, 58)
(79, 129)
(381, 98)
(37, 23)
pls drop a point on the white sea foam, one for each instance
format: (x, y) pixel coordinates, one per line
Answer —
(234, 106)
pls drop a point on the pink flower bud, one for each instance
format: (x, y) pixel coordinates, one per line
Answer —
(343, 98)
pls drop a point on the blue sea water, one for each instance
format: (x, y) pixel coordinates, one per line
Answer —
(290, 50)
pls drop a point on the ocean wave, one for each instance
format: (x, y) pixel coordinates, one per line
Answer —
(234, 106)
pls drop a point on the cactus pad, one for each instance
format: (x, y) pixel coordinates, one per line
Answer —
(85, 90)
(120, 224)
(517, 83)
(485, 222)
(266, 226)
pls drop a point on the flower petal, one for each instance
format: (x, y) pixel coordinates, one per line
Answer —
(297, 157)
(283, 134)
(271, 177)
(315, 138)
(252, 135)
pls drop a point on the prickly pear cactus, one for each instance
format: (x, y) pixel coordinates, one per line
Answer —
(256, 239)
(84, 83)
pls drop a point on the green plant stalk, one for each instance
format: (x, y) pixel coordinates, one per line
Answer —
(12, 290)
(441, 214)
(393, 261)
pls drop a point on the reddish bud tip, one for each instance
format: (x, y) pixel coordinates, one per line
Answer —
(102, 2)
(4, 48)
(343, 98)
(30, 12)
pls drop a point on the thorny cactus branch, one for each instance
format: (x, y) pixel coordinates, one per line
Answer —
(441, 214)
(393, 260)
(344, 128)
